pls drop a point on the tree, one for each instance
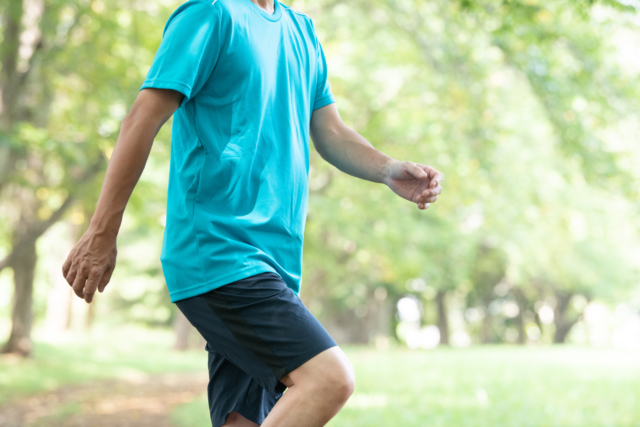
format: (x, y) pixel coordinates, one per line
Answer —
(66, 80)
(511, 101)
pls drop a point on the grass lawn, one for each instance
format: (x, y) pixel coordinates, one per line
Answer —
(480, 386)
(103, 354)
(484, 386)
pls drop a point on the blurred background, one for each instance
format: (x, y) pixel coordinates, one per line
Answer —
(514, 300)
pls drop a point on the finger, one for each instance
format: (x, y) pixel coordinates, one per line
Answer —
(429, 200)
(414, 170)
(105, 279)
(66, 266)
(92, 283)
(430, 192)
(437, 176)
(71, 276)
(434, 175)
(78, 283)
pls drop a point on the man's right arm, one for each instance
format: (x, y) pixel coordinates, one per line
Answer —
(91, 262)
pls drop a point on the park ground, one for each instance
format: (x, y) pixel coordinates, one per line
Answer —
(132, 378)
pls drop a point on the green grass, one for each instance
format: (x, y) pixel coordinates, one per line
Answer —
(100, 355)
(193, 414)
(481, 386)
(484, 386)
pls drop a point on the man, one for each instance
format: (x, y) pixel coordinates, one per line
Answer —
(246, 81)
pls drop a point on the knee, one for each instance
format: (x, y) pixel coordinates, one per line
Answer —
(345, 386)
(340, 382)
(329, 377)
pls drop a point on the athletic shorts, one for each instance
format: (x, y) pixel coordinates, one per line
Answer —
(257, 331)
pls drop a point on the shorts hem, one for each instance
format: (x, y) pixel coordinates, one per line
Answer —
(241, 409)
(305, 358)
(252, 416)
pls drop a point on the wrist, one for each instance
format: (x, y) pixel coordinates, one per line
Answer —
(105, 228)
(387, 169)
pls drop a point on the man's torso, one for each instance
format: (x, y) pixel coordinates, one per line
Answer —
(238, 191)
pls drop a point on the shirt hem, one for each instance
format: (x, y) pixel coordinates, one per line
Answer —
(183, 88)
(324, 101)
(218, 282)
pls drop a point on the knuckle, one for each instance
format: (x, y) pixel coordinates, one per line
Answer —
(70, 278)
(95, 272)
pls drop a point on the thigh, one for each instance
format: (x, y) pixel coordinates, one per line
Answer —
(260, 325)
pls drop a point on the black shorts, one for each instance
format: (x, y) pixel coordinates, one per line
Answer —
(257, 331)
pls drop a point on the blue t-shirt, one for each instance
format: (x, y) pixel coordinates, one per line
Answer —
(238, 180)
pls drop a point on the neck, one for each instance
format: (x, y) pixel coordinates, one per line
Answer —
(266, 5)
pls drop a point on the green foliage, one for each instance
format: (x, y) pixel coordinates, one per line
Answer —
(527, 107)
(78, 84)
(515, 102)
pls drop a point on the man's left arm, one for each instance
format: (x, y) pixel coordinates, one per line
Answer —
(350, 152)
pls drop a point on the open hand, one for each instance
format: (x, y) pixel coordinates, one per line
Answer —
(90, 264)
(415, 182)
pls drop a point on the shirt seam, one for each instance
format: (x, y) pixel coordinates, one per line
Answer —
(318, 103)
(295, 11)
(195, 126)
(153, 82)
(253, 10)
(193, 218)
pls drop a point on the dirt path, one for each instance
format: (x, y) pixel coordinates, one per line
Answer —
(145, 401)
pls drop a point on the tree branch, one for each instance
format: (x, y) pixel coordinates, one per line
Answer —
(39, 228)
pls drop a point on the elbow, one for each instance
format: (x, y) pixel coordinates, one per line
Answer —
(138, 116)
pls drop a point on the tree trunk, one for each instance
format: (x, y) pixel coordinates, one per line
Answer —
(443, 321)
(562, 331)
(24, 265)
(563, 325)
(485, 329)
(9, 77)
(522, 306)
(182, 329)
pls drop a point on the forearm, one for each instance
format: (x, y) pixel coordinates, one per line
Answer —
(350, 152)
(127, 162)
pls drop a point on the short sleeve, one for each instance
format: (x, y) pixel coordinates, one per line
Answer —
(324, 96)
(189, 50)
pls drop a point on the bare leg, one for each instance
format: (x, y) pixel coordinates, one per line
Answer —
(234, 419)
(316, 391)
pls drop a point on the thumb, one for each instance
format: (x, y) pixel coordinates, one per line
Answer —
(414, 170)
